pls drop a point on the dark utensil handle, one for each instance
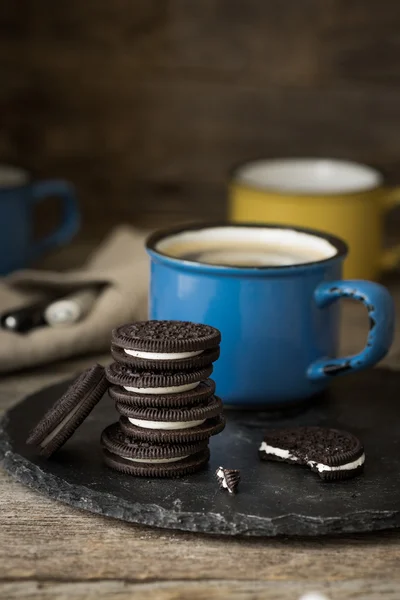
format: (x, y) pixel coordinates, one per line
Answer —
(24, 319)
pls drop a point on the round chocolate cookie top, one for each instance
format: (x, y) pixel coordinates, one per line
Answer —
(331, 447)
(166, 336)
(126, 376)
(118, 442)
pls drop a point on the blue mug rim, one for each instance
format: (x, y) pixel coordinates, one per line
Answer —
(157, 236)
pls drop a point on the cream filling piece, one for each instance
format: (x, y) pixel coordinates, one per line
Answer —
(61, 425)
(165, 424)
(158, 461)
(347, 467)
(173, 389)
(161, 355)
(281, 453)
(221, 476)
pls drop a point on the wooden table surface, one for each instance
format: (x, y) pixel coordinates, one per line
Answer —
(52, 551)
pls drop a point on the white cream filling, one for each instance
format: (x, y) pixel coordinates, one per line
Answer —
(221, 476)
(347, 467)
(276, 451)
(173, 389)
(157, 460)
(161, 355)
(60, 426)
(165, 424)
(281, 453)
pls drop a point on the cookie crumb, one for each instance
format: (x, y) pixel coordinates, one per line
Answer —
(228, 479)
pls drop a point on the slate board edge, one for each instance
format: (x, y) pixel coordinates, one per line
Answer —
(152, 515)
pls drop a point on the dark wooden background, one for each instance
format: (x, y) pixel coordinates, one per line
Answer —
(146, 104)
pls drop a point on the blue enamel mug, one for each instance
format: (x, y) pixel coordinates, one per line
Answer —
(18, 197)
(272, 291)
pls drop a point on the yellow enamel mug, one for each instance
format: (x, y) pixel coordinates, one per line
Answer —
(344, 198)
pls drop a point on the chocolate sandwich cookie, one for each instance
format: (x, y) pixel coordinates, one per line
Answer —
(203, 359)
(171, 419)
(200, 393)
(174, 436)
(67, 414)
(135, 457)
(166, 345)
(331, 453)
(148, 382)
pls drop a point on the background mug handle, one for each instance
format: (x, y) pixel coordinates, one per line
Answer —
(380, 307)
(390, 258)
(70, 220)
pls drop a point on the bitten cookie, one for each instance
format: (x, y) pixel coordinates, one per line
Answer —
(331, 453)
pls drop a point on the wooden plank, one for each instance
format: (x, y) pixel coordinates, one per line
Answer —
(362, 13)
(177, 131)
(237, 39)
(302, 42)
(360, 43)
(146, 105)
(201, 590)
(166, 148)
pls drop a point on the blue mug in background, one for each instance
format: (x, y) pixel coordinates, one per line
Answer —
(272, 291)
(18, 197)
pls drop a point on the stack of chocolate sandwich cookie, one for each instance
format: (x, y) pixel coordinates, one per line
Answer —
(165, 398)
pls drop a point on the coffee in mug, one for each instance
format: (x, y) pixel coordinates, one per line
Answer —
(232, 246)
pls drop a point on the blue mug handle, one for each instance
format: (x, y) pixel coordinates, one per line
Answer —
(380, 307)
(70, 214)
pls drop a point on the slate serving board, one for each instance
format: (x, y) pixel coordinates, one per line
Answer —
(273, 499)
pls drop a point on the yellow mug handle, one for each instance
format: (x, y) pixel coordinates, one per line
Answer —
(391, 256)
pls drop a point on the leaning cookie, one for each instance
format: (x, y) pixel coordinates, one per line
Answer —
(166, 345)
(331, 453)
(68, 413)
(147, 459)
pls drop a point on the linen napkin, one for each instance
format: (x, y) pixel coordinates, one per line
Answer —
(120, 265)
